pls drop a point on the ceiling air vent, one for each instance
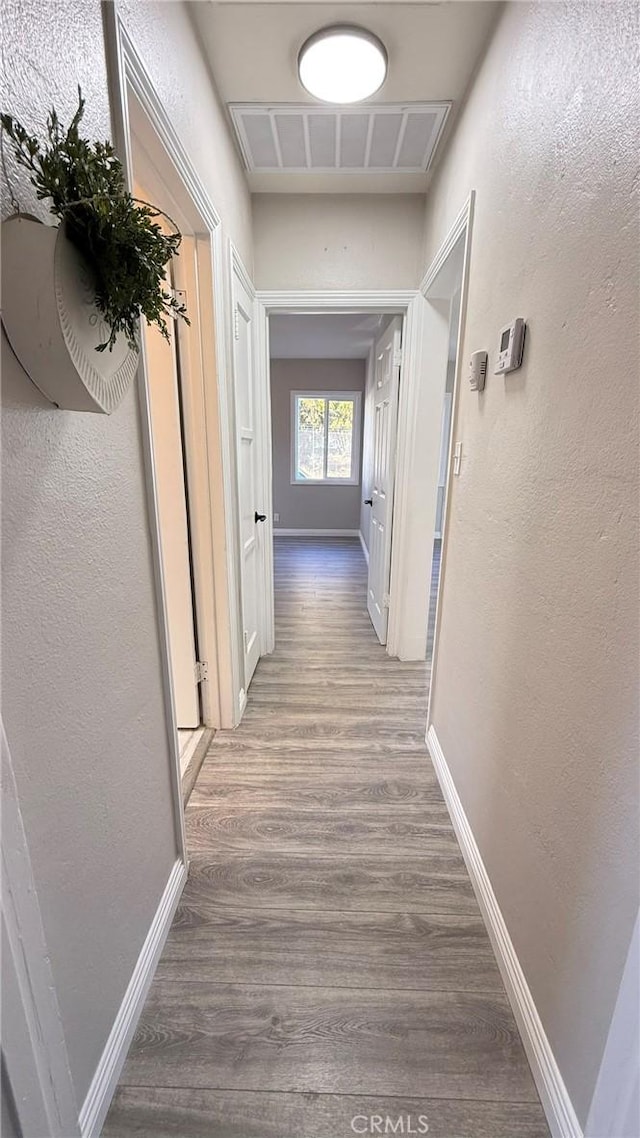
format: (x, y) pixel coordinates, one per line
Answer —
(298, 139)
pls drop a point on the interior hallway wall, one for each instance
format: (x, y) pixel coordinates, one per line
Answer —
(82, 692)
(310, 507)
(337, 241)
(535, 697)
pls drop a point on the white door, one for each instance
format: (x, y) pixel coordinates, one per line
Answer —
(164, 399)
(386, 390)
(249, 507)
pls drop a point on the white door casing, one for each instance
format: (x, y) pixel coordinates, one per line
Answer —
(248, 481)
(162, 372)
(387, 353)
(410, 565)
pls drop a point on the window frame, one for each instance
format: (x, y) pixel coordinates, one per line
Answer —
(328, 396)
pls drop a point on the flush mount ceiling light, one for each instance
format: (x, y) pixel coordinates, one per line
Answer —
(342, 64)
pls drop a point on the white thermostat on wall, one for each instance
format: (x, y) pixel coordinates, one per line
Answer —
(510, 346)
(478, 370)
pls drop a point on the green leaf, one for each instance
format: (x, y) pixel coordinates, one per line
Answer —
(119, 238)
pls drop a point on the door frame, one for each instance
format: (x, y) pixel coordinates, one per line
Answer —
(462, 229)
(416, 476)
(405, 303)
(206, 424)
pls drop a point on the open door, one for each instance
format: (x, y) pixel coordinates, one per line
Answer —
(249, 508)
(386, 390)
(164, 399)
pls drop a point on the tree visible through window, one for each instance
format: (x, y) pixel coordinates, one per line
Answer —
(325, 436)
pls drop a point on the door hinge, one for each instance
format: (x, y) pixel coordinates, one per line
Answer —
(201, 671)
(397, 357)
(386, 600)
(179, 294)
(246, 640)
(236, 324)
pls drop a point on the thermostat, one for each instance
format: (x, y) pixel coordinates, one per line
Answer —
(510, 347)
(478, 370)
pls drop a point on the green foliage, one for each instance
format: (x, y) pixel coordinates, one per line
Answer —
(121, 240)
(311, 412)
(340, 414)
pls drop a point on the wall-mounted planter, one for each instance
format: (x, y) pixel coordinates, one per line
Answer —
(52, 323)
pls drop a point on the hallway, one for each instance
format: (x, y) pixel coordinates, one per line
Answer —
(328, 964)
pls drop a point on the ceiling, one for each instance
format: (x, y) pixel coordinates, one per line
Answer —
(433, 51)
(331, 337)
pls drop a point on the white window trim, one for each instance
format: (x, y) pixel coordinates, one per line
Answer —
(356, 396)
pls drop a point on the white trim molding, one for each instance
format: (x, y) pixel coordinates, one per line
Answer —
(316, 533)
(354, 397)
(462, 224)
(321, 301)
(557, 1105)
(127, 74)
(422, 386)
(103, 1084)
(364, 546)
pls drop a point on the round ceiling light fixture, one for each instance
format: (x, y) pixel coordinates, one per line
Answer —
(342, 64)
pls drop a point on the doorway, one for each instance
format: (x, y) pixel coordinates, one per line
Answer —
(180, 402)
(444, 461)
(426, 331)
(333, 389)
(166, 366)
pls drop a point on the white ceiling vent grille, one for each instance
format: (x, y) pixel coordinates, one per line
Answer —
(309, 139)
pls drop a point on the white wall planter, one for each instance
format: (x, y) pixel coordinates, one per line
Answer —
(52, 323)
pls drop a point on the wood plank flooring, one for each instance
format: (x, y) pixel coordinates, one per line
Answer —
(328, 964)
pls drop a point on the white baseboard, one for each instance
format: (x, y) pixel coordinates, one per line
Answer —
(554, 1096)
(103, 1084)
(364, 548)
(316, 533)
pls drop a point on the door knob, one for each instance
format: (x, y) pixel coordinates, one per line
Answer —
(259, 517)
(368, 501)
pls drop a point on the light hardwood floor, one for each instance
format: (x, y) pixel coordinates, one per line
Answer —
(328, 964)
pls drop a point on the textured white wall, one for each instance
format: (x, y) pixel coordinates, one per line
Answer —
(309, 507)
(82, 697)
(166, 38)
(535, 700)
(337, 241)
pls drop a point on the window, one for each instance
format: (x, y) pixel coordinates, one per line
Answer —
(325, 437)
